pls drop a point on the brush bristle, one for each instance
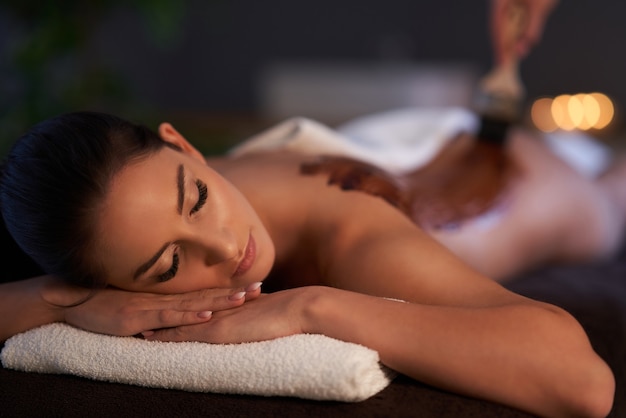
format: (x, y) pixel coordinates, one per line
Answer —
(497, 113)
(493, 130)
(497, 105)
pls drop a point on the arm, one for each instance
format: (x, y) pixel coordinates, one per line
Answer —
(459, 330)
(462, 331)
(532, 358)
(22, 308)
(30, 303)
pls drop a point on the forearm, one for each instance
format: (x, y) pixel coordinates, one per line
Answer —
(22, 306)
(524, 355)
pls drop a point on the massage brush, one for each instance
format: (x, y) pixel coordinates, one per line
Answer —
(500, 93)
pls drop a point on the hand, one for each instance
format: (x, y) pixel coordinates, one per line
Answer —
(118, 312)
(536, 13)
(270, 316)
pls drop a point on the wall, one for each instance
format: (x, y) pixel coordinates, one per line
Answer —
(213, 61)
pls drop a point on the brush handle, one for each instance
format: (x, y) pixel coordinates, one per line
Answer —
(504, 81)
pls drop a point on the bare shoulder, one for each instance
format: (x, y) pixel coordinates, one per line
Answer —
(301, 184)
(272, 181)
(295, 201)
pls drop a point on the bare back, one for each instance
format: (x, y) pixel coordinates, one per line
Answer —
(550, 214)
(332, 232)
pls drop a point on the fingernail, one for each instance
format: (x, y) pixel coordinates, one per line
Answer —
(147, 333)
(237, 296)
(253, 286)
(205, 314)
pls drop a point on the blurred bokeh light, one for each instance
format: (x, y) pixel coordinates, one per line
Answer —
(582, 111)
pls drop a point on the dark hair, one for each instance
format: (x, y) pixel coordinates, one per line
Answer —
(54, 180)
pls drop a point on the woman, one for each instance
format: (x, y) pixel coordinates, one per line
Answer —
(102, 202)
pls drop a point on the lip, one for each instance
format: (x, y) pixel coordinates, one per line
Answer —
(248, 258)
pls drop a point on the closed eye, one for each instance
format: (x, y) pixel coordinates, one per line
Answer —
(169, 274)
(202, 196)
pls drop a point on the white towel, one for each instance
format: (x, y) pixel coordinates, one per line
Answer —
(305, 366)
(394, 141)
(402, 140)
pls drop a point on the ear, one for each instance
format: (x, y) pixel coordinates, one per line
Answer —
(171, 135)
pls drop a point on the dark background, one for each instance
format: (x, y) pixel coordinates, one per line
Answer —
(199, 63)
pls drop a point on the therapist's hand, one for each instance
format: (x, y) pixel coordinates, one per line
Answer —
(118, 312)
(536, 11)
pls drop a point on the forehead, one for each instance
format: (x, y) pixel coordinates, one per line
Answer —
(140, 204)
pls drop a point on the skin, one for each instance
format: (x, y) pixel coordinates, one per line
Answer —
(349, 241)
(46, 299)
(211, 242)
(536, 13)
(585, 223)
(330, 256)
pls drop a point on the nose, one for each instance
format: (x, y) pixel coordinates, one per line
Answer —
(218, 246)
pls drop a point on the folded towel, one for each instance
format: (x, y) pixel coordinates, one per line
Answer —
(402, 140)
(396, 141)
(305, 366)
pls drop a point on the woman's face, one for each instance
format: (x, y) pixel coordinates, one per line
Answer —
(171, 224)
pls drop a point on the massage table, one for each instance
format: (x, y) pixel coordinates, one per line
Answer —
(594, 293)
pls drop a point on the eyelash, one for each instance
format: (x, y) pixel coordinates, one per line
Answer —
(172, 271)
(202, 196)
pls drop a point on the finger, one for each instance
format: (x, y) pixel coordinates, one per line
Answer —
(205, 300)
(498, 14)
(253, 291)
(167, 318)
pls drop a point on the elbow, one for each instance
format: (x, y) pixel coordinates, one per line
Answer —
(587, 386)
(594, 397)
(578, 382)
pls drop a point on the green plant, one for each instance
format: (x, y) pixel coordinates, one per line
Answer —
(48, 66)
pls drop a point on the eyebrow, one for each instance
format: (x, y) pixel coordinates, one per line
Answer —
(146, 266)
(180, 183)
